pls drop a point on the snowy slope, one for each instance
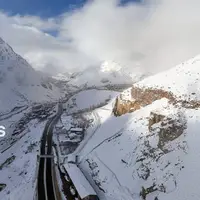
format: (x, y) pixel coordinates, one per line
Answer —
(20, 86)
(153, 152)
(87, 99)
(19, 83)
(107, 73)
(183, 80)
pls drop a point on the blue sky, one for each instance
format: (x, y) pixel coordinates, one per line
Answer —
(43, 8)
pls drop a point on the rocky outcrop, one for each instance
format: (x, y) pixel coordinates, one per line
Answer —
(145, 96)
(141, 97)
(122, 107)
(168, 128)
(155, 118)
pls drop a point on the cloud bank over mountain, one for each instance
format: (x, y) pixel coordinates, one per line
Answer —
(152, 35)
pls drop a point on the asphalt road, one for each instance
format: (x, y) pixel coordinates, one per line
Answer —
(46, 187)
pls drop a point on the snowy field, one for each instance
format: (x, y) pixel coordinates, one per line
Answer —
(89, 99)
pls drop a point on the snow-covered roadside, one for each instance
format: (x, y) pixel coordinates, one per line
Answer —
(20, 175)
(93, 98)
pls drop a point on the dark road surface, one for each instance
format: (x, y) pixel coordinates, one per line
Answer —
(45, 187)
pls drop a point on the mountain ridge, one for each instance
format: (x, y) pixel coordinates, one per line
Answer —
(19, 83)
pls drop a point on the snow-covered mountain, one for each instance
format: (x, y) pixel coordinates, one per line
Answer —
(147, 143)
(109, 72)
(19, 82)
(20, 87)
(143, 144)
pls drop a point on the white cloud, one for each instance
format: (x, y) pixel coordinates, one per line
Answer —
(42, 24)
(155, 35)
(42, 50)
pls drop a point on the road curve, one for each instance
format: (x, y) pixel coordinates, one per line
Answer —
(46, 182)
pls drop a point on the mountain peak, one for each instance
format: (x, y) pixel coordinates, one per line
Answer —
(109, 66)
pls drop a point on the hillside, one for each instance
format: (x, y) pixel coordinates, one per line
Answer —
(27, 100)
(20, 84)
(146, 146)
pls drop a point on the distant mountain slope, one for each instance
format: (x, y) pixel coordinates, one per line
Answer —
(107, 73)
(19, 82)
(149, 148)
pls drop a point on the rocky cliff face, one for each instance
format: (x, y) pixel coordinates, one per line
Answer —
(140, 97)
(124, 106)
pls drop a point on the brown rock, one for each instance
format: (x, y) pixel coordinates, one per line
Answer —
(172, 130)
(145, 96)
(155, 118)
(123, 107)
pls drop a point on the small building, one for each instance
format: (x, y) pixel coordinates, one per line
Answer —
(71, 158)
(76, 130)
(81, 184)
(60, 126)
(37, 107)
